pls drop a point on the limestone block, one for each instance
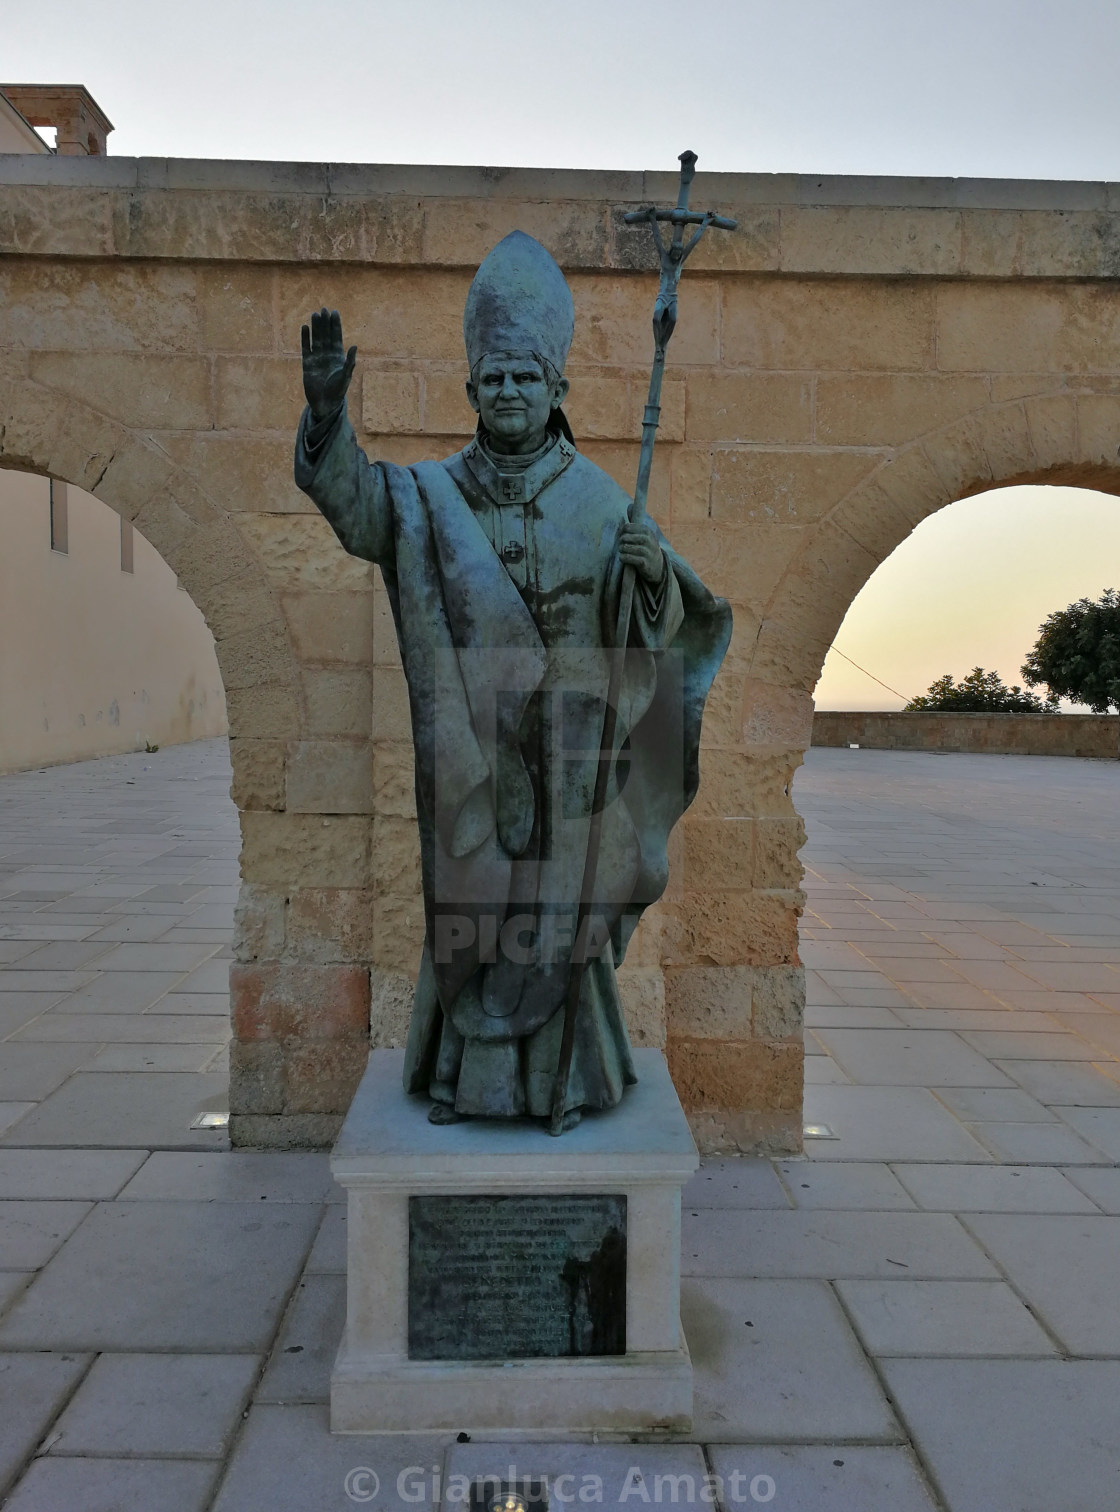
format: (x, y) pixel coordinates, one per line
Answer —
(460, 232)
(755, 1075)
(776, 716)
(744, 782)
(776, 844)
(778, 1002)
(731, 929)
(338, 700)
(270, 712)
(723, 713)
(234, 306)
(718, 854)
(620, 461)
(258, 773)
(613, 315)
(410, 314)
(736, 1131)
(145, 391)
(912, 481)
(960, 457)
(241, 473)
(322, 1077)
(305, 850)
(393, 229)
(783, 487)
(258, 923)
(873, 520)
(326, 924)
(242, 605)
(1098, 426)
(391, 400)
(35, 219)
(788, 324)
(757, 407)
(330, 777)
(1052, 419)
(789, 653)
(256, 1079)
(398, 933)
(251, 658)
(743, 562)
(870, 239)
(302, 553)
(860, 409)
(88, 443)
(642, 990)
(258, 393)
(386, 648)
(447, 411)
(394, 779)
(391, 719)
(390, 1008)
(1028, 328)
(709, 1002)
(331, 628)
(33, 417)
(598, 406)
(396, 857)
(690, 481)
(287, 1004)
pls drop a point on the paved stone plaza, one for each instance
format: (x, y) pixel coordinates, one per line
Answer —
(921, 1314)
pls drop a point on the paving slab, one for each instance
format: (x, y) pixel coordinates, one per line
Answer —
(148, 1108)
(1100, 1126)
(887, 1123)
(232, 1176)
(909, 1058)
(991, 1189)
(1036, 1143)
(122, 1057)
(33, 1388)
(1068, 1269)
(114, 1485)
(778, 1360)
(1101, 1183)
(149, 1028)
(742, 1183)
(816, 1478)
(154, 958)
(299, 1369)
(827, 1244)
(328, 1253)
(33, 1071)
(31, 1232)
(606, 1474)
(1069, 1083)
(1052, 1421)
(942, 1318)
(12, 1284)
(994, 1105)
(149, 1405)
(62, 1174)
(1015, 1045)
(12, 1112)
(119, 992)
(167, 1275)
(287, 1460)
(816, 1184)
(19, 1008)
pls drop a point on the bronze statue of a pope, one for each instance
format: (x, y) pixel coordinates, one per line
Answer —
(504, 565)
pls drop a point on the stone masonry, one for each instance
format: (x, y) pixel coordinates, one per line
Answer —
(860, 354)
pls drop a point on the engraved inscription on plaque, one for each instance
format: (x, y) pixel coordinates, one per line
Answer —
(514, 1278)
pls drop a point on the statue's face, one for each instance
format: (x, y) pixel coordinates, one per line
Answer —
(512, 393)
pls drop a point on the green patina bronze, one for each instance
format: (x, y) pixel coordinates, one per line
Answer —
(514, 569)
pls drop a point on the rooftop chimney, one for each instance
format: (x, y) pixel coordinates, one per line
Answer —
(81, 124)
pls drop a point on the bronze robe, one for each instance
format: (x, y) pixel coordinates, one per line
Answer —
(504, 586)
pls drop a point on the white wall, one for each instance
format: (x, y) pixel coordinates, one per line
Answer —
(94, 661)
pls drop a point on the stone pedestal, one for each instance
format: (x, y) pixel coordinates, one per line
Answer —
(391, 1159)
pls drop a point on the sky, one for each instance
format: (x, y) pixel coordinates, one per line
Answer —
(964, 88)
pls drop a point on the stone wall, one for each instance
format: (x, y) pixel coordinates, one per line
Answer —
(992, 734)
(859, 354)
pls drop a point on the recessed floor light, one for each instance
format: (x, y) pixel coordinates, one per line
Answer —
(211, 1121)
(818, 1131)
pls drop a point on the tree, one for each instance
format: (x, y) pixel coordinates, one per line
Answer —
(1077, 653)
(980, 693)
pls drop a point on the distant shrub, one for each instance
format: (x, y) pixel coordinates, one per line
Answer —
(980, 693)
(1077, 653)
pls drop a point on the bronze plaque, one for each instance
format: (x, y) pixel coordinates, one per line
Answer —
(516, 1278)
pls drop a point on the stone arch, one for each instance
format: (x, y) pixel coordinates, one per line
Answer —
(68, 439)
(1058, 438)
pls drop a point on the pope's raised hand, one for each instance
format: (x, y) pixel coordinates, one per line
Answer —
(327, 365)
